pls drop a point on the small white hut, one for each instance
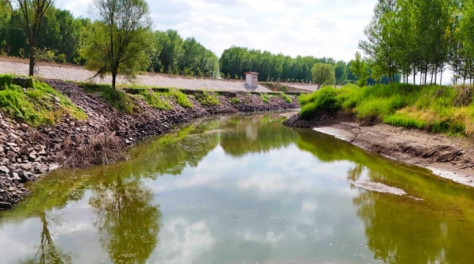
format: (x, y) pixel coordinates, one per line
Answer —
(251, 79)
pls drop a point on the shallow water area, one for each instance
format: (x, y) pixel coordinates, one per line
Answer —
(242, 189)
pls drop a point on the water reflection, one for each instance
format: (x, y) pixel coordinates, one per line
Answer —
(423, 227)
(127, 219)
(242, 190)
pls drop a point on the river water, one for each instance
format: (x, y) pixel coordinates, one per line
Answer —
(242, 189)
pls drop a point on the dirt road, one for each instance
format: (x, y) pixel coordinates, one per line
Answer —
(16, 66)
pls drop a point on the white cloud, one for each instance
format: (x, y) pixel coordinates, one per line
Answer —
(321, 28)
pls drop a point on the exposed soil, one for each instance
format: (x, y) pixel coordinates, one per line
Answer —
(449, 157)
(27, 153)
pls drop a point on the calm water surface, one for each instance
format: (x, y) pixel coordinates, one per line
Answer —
(241, 189)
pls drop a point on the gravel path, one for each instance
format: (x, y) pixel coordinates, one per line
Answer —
(79, 74)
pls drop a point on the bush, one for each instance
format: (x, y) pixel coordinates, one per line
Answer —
(265, 98)
(319, 102)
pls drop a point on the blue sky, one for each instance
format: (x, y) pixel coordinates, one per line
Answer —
(321, 28)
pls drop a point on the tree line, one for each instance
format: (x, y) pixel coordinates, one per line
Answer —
(421, 38)
(37, 28)
(121, 41)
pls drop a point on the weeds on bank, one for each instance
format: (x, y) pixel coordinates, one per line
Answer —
(181, 98)
(235, 100)
(265, 98)
(441, 109)
(36, 105)
(118, 99)
(154, 100)
(207, 99)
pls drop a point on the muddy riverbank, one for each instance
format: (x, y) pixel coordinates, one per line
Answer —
(27, 153)
(449, 157)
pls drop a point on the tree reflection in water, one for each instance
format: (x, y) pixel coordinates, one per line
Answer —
(402, 229)
(127, 219)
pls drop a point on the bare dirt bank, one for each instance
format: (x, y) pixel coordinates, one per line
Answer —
(448, 157)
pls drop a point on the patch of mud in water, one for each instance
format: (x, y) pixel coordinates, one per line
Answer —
(378, 187)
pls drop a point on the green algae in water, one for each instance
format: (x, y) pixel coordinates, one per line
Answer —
(241, 189)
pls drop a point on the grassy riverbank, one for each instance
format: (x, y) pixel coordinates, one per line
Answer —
(36, 103)
(440, 109)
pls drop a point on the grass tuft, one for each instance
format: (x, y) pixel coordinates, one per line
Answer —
(207, 99)
(181, 98)
(154, 100)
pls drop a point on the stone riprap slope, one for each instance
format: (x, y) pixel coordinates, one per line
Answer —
(79, 74)
(26, 153)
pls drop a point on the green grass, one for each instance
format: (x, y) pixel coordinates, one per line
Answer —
(265, 98)
(286, 98)
(154, 100)
(181, 98)
(403, 120)
(118, 99)
(441, 109)
(38, 105)
(235, 100)
(320, 102)
(207, 99)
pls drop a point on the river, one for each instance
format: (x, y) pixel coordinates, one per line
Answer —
(242, 189)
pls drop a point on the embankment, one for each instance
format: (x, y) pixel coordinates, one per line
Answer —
(446, 156)
(27, 152)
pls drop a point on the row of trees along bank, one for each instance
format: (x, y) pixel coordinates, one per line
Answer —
(35, 28)
(121, 41)
(422, 38)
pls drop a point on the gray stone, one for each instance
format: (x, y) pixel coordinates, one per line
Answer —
(4, 169)
(15, 177)
(53, 167)
(26, 166)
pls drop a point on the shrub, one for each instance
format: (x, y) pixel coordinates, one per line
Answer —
(265, 98)
(322, 101)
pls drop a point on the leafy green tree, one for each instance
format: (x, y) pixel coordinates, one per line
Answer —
(360, 70)
(340, 71)
(32, 12)
(323, 74)
(119, 41)
(5, 14)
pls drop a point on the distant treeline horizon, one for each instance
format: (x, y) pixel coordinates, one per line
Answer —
(63, 39)
(62, 36)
